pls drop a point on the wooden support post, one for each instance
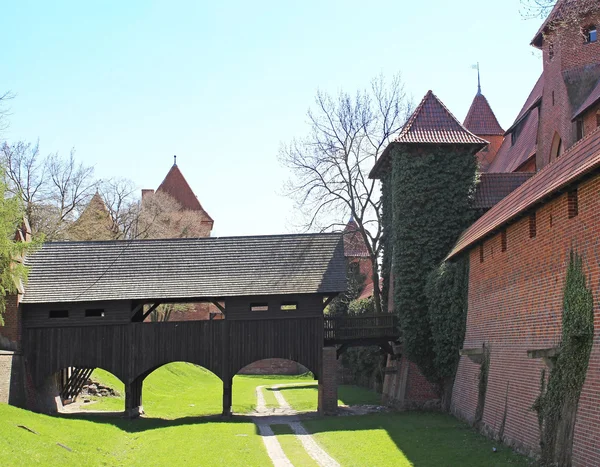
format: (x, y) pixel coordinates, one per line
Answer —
(227, 399)
(133, 398)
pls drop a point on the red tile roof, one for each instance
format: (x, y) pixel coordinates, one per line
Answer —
(533, 100)
(511, 156)
(430, 123)
(177, 186)
(592, 99)
(579, 160)
(433, 123)
(494, 187)
(354, 244)
(481, 119)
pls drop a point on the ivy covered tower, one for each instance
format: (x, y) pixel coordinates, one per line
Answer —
(428, 177)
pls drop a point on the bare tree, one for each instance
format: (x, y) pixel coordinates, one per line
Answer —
(54, 189)
(25, 173)
(536, 8)
(4, 109)
(119, 196)
(330, 166)
(161, 216)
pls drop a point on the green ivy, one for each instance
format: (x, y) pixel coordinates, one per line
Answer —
(447, 296)
(431, 193)
(364, 364)
(557, 404)
(386, 237)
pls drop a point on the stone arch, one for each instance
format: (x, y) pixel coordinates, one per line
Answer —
(557, 148)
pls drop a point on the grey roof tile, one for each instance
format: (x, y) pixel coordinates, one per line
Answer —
(186, 268)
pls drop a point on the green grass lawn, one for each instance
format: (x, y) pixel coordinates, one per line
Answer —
(176, 431)
(406, 439)
(183, 390)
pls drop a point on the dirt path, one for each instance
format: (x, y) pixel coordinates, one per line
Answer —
(285, 415)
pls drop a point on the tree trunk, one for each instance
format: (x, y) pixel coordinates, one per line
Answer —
(376, 289)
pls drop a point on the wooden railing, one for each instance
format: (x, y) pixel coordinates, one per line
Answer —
(361, 327)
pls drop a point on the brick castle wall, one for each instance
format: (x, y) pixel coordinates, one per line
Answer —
(10, 333)
(515, 305)
(570, 53)
(273, 366)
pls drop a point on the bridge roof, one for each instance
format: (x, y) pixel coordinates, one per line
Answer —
(186, 268)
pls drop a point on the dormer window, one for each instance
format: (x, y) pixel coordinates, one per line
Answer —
(591, 35)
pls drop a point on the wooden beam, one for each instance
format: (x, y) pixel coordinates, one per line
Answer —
(475, 355)
(136, 310)
(328, 301)
(150, 310)
(218, 305)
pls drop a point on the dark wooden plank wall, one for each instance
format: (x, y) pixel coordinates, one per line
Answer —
(240, 307)
(300, 340)
(136, 349)
(115, 312)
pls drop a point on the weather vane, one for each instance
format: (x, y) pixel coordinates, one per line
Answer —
(476, 67)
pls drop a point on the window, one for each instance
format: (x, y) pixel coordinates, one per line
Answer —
(557, 148)
(532, 225)
(591, 35)
(259, 307)
(289, 306)
(481, 253)
(573, 202)
(551, 51)
(94, 313)
(503, 240)
(58, 314)
(579, 129)
(553, 99)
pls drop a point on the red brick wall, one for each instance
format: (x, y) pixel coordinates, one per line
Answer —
(10, 333)
(515, 305)
(570, 52)
(328, 398)
(273, 366)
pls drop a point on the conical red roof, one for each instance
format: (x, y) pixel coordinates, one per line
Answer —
(433, 123)
(354, 244)
(177, 186)
(481, 119)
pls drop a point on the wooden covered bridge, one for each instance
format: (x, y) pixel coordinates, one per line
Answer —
(85, 306)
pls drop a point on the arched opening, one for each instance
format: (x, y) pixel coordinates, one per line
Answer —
(80, 389)
(273, 384)
(557, 148)
(180, 389)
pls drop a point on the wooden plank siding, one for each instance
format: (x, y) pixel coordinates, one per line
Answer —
(131, 350)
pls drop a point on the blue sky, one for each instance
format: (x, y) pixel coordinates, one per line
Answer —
(223, 84)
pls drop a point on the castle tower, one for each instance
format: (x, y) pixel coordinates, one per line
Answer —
(482, 122)
(570, 105)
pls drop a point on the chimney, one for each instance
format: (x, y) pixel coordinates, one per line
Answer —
(146, 192)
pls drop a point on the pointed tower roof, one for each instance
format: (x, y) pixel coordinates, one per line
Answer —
(177, 186)
(354, 244)
(94, 223)
(431, 123)
(481, 119)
